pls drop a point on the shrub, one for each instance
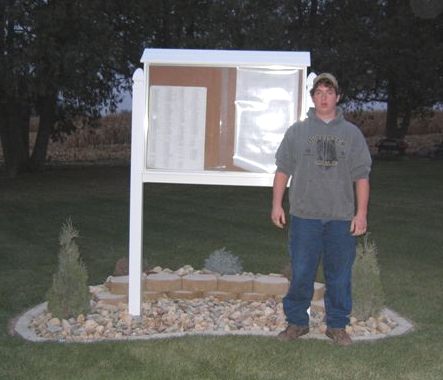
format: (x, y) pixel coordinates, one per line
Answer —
(368, 294)
(122, 266)
(223, 262)
(69, 293)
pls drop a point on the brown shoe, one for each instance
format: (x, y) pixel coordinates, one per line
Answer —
(339, 336)
(292, 332)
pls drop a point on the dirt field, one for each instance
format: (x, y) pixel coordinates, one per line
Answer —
(110, 139)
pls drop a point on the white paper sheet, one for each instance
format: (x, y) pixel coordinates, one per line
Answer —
(176, 128)
(266, 105)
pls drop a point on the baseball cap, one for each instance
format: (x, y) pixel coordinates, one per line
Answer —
(326, 78)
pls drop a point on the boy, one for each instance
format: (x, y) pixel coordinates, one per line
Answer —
(327, 158)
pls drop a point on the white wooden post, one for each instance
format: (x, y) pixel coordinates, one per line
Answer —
(309, 85)
(136, 194)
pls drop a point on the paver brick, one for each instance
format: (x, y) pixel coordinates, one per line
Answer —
(200, 282)
(319, 291)
(271, 285)
(184, 294)
(118, 284)
(221, 295)
(252, 296)
(153, 296)
(235, 283)
(163, 282)
(110, 298)
(318, 306)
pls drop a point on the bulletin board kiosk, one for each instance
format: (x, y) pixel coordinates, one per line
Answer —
(213, 117)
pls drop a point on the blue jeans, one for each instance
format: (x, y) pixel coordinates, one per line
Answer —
(309, 241)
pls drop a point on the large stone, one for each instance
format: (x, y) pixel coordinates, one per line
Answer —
(383, 328)
(200, 282)
(90, 326)
(235, 283)
(271, 285)
(54, 325)
(66, 326)
(163, 282)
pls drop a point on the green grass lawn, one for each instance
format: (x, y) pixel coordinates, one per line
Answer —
(183, 225)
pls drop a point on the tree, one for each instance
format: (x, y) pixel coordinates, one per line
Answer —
(61, 58)
(412, 70)
(69, 295)
(383, 51)
(15, 106)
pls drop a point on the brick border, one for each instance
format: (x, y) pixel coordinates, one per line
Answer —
(246, 287)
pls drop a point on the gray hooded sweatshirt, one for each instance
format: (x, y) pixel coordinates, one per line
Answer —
(324, 160)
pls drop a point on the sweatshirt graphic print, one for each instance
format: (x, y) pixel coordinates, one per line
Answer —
(326, 149)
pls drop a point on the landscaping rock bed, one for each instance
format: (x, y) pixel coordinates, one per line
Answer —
(171, 317)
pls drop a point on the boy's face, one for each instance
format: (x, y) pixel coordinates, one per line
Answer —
(325, 101)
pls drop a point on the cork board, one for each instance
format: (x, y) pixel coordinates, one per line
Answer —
(223, 110)
(220, 111)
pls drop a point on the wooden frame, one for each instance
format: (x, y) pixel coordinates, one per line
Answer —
(215, 70)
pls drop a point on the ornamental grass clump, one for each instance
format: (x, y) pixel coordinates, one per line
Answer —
(367, 289)
(223, 262)
(69, 294)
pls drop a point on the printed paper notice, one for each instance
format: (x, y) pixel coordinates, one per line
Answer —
(176, 130)
(266, 104)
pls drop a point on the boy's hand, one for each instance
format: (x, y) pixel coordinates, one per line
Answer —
(358, 225)
(278, 217)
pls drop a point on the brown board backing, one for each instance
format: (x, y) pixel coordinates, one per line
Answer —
(220, 83)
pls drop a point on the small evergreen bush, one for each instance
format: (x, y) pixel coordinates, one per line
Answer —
(223, 262)
(367, 289)
(69, 293)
